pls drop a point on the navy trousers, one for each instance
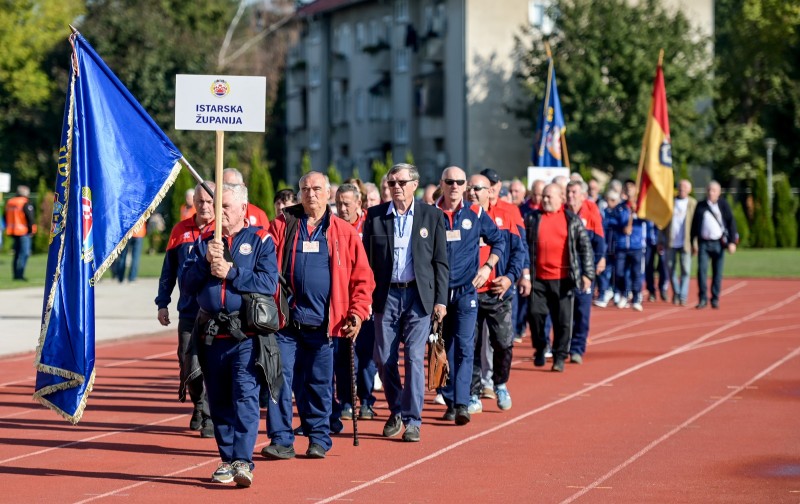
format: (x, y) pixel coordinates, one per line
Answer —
(459, 341)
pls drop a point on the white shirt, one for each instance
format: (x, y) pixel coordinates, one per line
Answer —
(712, 227)
(403, 263)
(678, 228)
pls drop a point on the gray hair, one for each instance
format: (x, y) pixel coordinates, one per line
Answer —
(412, 170)
(239, 191)
(304, 177)
(615, 185)
(349, 188)
(583, 185)
(24, 190)
(370, 187)
(612, 195)
(236, 173)
(714, 183)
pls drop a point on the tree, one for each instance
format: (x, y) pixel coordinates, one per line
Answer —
(763, 230)
(605, 57)
(757, 89)
(29, 32)
(183, 182)
(334, 175)
(381, 168)
(742, 226)
(259, 188)
(785, 214)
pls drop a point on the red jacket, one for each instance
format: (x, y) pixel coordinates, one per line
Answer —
(352, 281)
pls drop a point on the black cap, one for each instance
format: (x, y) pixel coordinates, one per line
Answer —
(491, 175)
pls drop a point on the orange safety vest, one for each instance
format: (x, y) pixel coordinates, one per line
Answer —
(16, 223)
(139, 232)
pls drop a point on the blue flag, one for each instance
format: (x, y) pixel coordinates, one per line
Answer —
(550, 145)
(114, 167)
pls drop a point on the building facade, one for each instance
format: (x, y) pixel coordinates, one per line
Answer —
(429, 78)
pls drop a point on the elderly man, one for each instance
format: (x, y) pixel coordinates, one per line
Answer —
(219, 273)
(562, 259)
(675, 240)
(468, 226)
(349, 203)
(517, 190)
(179, 248)
(407, 249)
(324, 263)
(255, 216)
(589, 214)
(714, 228)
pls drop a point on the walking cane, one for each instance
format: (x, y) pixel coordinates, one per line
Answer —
(353, 389)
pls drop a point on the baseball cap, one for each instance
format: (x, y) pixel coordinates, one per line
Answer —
(491, 175)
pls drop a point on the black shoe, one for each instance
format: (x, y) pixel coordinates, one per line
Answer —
(558, 366)
(393, 426)
(347, 412)
(278, 452)
(411, 435)
(337, 426)
(702, 304)
(197, 420)
(462, 415)
(450, 414)
(315, 451)
(207, 431)
(715, 305)
(539, 359)
(366, 413)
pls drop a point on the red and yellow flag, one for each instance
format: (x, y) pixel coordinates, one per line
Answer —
(655, 181)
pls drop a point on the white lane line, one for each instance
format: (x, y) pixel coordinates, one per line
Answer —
(620, 374)
(680, 427)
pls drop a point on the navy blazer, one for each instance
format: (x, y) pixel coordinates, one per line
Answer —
(428, 249)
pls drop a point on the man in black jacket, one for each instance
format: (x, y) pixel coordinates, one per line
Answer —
(714, 229)
(407, 250)
(562, 260)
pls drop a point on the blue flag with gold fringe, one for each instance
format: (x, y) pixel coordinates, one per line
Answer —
(550, 147)
(114, 167)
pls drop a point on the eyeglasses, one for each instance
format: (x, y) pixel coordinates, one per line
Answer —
(453, 182)
(476, 188)
(401, 183)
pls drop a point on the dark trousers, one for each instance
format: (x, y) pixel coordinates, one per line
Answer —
(307, 358)
(654, 262)
(199, 399)
(496, 314)
(22, 251)
(520, 309)
(553, 297)
(629, 270)
(710, 251)
(459, 341)
(229, 372)
(365, 368)
(582, 310)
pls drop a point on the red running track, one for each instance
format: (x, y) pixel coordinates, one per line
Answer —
(671, 405)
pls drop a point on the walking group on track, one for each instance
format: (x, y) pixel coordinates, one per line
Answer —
(351, 272)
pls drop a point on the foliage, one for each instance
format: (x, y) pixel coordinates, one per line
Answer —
(283, 185)
(183, 182)
(29, 31)
(259, 186)
(305, 163)
(334, 175)
(757, 90)
(742, 226)
(763, 229)
(44, 211)
(785, 214)
(381, 168)
(605, 57)
(409, 157)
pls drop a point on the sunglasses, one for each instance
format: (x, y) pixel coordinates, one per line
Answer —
(476, 188)
(450, 181)
(401, 183)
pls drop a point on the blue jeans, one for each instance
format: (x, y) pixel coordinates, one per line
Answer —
(22, 251)
(229, 373)
(135, 246)
(710, 251)
(680, 280)
(307, 358)
(403, 319)
(459, 340)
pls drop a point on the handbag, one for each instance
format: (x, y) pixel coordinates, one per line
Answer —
(438, 367)
(261, 313)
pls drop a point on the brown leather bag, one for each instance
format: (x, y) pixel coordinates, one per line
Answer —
(438, 367)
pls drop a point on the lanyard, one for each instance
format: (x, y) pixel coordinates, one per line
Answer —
(317, 230)
(400, 222)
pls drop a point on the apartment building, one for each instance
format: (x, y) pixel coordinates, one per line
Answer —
(433, 78)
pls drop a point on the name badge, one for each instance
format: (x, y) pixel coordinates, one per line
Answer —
(310, 247)
(454, 235)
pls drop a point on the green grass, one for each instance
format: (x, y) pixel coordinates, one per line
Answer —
(745, 263)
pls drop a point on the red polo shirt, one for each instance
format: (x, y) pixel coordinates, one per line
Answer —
(552, 262)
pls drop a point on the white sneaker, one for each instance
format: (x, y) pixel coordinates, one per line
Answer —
(617, 297)
(439, 399)
(623, 303)
(377, 384)
(475, 405)
(600, 303)
(638, 307)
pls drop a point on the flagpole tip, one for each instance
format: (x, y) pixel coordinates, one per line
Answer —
(660, 57)
(547, 50)
(74, 30)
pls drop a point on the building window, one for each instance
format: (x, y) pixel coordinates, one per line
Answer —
(314, 32)
(314, 140)
(361, 107)
(314, 77)
(374, 36)
(401, 131)
(401, 11)
(361, 35)
(401, 57)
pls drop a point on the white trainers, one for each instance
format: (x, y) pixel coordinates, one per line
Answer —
(638, 307)
(623, 303)
(377, 384)
(475, 405)
(439, 399)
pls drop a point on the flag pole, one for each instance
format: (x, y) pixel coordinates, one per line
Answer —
(218, 181)
(196, 176)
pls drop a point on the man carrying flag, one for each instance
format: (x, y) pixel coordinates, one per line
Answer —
(655, 178)
(107, 141)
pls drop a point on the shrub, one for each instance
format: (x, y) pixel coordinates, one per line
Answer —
(785, 214)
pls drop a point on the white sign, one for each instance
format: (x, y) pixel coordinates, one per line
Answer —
(546, 173)
(220, 103)
(5, 182)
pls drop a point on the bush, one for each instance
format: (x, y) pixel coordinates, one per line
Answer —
(741, 224)
(785, 214)
(260, 190)
(763, 229)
